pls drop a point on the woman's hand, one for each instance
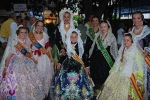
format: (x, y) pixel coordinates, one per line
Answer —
(63, 52)
(139, 84)
(51, 58)
(145, 53)
(87, 70)
(58, 66)
(35, 61)
(4, 72)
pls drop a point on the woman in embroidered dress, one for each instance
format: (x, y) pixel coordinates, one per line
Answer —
(142, 34)
(42, 53)
(71, 81)
(100, 64)
(19, 78)
(128, 66)
(66, 24)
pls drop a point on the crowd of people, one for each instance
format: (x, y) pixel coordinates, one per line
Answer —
(86, 63)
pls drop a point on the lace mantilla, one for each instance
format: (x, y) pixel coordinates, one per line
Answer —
(109, 40)
(70, 50)
(61, 28)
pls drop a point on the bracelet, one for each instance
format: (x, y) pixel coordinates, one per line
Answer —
(5, 67)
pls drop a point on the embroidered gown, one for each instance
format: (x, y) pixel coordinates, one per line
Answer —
(99, 68)
(44, 65)
(22, 79)
(71, 81)
(118, 85)
(144, 41)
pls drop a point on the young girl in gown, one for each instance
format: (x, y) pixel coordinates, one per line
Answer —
(126, 78)
(19, 79)
(71, 81)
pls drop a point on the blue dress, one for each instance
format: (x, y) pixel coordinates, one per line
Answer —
(71, 82)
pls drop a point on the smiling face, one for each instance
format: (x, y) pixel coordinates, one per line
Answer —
(104, 27)
(137, 19)
(127, 41)
(66, 18)
(22, 33)
(74, 37)
(39, 26)
(95, 22)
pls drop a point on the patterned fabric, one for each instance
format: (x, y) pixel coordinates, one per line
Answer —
(44, 65)
(118, 85)
(71, 82)
(144, 41)
(22, 80)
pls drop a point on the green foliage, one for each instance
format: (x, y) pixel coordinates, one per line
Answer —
(113, 17)
(76, 17)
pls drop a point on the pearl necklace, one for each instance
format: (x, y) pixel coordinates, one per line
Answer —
(21, 41)
(138, 30)
(67, 25)
(38, 32)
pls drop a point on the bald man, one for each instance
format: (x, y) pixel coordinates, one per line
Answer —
(32, 21)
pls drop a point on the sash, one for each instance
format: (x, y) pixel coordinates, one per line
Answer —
(19, 47)
(37, 44)
(137, 89)
(99, 94)
(76, 57)
(147, 60)
(101, 47)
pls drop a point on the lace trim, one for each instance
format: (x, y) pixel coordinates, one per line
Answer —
(79, 41)
(108, 41)
(144, 33)
(63, 33)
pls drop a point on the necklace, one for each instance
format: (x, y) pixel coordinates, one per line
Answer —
(73, 45)
(38, 32)
(138, 30)
(21, 41)
(67, 25)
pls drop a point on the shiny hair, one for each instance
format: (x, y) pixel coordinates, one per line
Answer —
(139, 12)
(38, 22)
(142, 16)
(96, 17)
(104, 21)
(18, 30)
(129, 35)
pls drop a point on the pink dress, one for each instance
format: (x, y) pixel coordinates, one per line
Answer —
(22, 80)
